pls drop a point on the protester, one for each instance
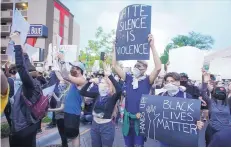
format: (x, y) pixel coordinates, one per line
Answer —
(103, 130)
(190, 89)
(4, 91)
(11, 73)
(219, 109)
(24, 125)
(59, 116)
(136, 86)
(172, 85)
(73, 101)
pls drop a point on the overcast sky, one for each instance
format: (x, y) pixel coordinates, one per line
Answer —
(210, 17)
(169, 18)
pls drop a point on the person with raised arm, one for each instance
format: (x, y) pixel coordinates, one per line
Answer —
(73, 101)
(136, 86)
(103, 129)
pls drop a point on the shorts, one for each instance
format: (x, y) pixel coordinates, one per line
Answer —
(71, 125)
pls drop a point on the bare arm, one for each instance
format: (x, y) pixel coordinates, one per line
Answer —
(56, 109)
(116, 67)
(80, 81)
(4, 84)
(156, 60)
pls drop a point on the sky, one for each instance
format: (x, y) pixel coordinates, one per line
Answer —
(169, 18)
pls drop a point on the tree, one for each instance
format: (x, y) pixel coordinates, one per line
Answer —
(102, 43)
(203, 42)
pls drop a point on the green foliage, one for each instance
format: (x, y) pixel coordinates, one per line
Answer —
(5, 130)
(203, 42)
(102, 43)
(46, 120)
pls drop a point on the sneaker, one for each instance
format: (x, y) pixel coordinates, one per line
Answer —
(50, 126)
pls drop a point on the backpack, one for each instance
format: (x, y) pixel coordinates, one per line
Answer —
(40, 108)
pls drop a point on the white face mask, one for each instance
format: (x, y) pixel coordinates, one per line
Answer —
(136, 72)
(171, 89)
(117, 79)
(103, 91)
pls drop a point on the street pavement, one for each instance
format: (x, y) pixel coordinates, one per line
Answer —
(51, 137)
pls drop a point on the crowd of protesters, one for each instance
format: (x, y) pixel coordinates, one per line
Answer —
(107, 97)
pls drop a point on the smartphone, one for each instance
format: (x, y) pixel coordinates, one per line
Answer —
(102, 56)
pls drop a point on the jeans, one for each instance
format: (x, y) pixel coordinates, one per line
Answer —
(60, 125)
(102, 135)
(132, 140)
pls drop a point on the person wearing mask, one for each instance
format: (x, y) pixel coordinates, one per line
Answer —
(5, 90)
(24, 125)
(136, 86)
(173, 89)
(190, 89)
(73, 101)
(103, 130)
(59, 116)
(218, 105)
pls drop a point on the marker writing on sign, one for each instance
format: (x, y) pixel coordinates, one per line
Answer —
(177, 116)
(142, 117)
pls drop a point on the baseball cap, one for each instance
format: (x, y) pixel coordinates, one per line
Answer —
(219, 90)
(183, 75)
(78, 64)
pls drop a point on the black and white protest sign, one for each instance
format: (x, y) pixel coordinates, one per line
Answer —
(170, 120)
(133, 28)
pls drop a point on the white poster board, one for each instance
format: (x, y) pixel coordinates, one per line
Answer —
(70, 52)
(188, 60)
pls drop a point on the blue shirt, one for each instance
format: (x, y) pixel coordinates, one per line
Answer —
(221, 138)
(73, 101)
(133, 96)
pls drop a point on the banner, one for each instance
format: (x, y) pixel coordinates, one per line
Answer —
(132, 32)
(70, 52)
(170, 120)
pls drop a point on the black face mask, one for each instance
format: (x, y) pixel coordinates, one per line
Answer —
(183, 83)
(219, 96)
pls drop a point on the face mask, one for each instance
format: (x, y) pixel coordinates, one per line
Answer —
(136, 72)
(103, 91)
(171, 89)
(183, 83)
(219, 96)
(117, 79)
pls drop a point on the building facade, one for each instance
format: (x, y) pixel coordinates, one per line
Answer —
(50, 14)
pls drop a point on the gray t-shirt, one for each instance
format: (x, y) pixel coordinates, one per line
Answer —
(60, 114)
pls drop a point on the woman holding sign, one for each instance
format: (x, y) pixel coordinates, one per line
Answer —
(136, 86)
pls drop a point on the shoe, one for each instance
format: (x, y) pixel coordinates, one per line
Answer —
(50, 126)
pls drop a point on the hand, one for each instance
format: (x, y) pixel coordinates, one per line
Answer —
(151, 40)
(15, 37)
(203, 102)
(107, 69)
(82, 113)
(138, 115)
(95, 81)
(200, 125)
